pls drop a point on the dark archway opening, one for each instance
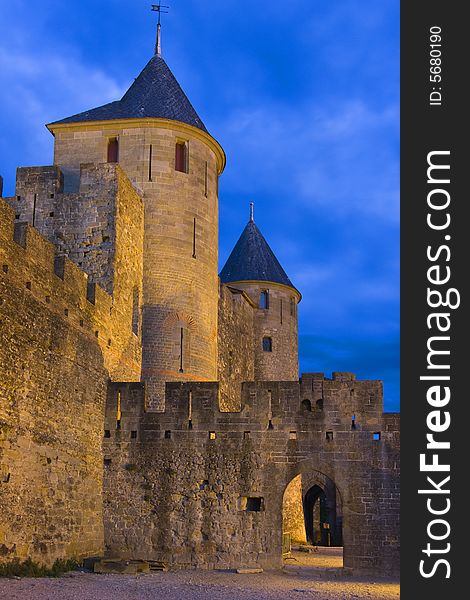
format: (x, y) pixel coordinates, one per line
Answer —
(323, 524)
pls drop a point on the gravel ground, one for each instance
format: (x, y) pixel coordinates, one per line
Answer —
(305, 577)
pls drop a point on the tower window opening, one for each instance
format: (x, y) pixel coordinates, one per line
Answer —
(118, 411)
(267, 344)
(376, 436)
(353, 422)
(135, 312)
(292, 307)
(181, 349)
(307, 405)
(113, 150)
(150, 162)
(329, 435)
(181, 157)
(264, 300)
(168, 434)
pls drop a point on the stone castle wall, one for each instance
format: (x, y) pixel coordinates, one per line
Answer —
(52, 394)
(196, 487)
(180, 284)
(100, 229)
(60, 338)
(235, 347)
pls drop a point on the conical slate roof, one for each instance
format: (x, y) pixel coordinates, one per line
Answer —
(253, 260)
(154, 94)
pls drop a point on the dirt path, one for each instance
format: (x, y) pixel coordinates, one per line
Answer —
(309, 576)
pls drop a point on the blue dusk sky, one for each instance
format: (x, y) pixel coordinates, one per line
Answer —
(303, 96)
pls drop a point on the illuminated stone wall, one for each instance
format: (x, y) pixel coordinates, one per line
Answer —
(180, 283)
(208, 491)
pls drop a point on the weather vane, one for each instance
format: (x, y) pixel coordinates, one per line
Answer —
(159, 8)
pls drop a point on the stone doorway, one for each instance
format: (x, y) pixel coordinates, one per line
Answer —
(312, 519)
(323, 525)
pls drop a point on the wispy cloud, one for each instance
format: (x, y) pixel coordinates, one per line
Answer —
(338, 158)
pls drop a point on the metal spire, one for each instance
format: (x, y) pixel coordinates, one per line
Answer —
(252, 212)
(159, 9)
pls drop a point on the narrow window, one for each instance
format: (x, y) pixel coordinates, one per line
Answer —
(113, 150)
(35, 199)
(307, 405)
(353, 422)
(194, 238)
(205, 179)
(329, 435)
(181, 157)
(107, 433)
(212, 435)
(319, 404)
(181, 349)
(5, 268)
(118, 411)
(133, 435)
(168, 435)
(292, 307)
(264, 299)
(292, 435)
(251, 504)
(150, 162)
(107, 463)
(376, 436)
(246, 435)
(267, 344)
(135, 313)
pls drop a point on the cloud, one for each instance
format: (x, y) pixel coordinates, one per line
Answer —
(336, 158)
(43, 87)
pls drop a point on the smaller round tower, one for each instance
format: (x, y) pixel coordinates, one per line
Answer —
(253, 268)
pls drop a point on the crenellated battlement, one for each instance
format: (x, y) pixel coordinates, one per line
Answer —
(64, 272)
(347, 405)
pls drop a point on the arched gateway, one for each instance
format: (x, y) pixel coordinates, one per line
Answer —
(212, 487)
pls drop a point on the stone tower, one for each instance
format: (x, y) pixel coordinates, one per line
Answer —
(162, 145)
(253, 268)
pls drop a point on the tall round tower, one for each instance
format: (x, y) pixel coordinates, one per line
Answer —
(162, 145)
(253, 268)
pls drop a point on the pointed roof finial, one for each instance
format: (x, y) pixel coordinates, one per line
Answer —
(252, 212)
(159, 9)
